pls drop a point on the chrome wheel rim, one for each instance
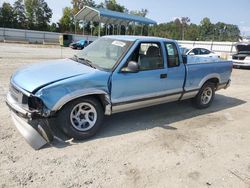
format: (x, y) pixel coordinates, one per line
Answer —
(83, 116)
(206, 95)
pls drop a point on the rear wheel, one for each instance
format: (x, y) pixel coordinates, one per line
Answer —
(205, 96)
(81, 118)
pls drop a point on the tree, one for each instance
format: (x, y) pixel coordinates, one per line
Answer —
(43, 15)
(79, 4)
(38, 14)
(226, 32)
(54, 27)
(233, 32)
(113, 5)
(30, 12)
(206, 29)
(6, 18)
(66, 23)
(192, 32)
(184, 24)
(19, 14)
(142, 12)
(1, 17)
(167, 30)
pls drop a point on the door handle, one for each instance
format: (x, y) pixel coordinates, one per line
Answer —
(162, 76)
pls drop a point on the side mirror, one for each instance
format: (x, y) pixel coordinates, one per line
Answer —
(191, 53)
(132, 67)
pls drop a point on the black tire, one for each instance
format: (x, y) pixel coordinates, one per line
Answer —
(198, 100)
(64, 118)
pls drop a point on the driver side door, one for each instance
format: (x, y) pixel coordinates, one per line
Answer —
(146, 87)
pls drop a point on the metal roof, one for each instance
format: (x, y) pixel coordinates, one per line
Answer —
(134, 38)
(111, 17)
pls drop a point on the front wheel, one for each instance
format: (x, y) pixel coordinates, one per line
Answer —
(81, 118)
(205, 96)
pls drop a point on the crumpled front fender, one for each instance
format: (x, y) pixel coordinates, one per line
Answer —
(56, 95)
(54, 99)
(80, 93)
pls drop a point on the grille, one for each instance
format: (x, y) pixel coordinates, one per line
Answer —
(17, 95)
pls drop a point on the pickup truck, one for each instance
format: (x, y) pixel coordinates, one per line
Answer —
(113, 74)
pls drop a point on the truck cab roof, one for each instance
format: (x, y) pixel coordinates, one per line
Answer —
(133, 38)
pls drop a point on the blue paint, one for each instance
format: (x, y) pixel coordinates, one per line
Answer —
(52, 80)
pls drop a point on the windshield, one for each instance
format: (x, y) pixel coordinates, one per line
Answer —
(104, 52)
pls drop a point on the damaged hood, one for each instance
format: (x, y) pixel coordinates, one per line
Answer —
(38, 75)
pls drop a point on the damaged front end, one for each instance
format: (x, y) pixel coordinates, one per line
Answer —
(29, 115)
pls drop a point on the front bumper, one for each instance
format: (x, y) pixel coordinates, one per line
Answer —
(34, 139)
(241, 63)
(22, 119)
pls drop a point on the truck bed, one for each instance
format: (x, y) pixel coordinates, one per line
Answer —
(197, 74)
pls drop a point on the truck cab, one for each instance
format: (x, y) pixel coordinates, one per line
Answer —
(160, 73)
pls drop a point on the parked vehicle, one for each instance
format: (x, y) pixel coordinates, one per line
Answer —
(242, 57)
(113, 74)
(199, 55)
(65, 40)
(79, 45)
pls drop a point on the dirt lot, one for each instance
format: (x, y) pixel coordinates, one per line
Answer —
(172, 145)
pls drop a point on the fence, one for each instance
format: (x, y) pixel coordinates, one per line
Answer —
(30, 36)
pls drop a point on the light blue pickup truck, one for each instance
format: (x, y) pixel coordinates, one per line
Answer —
(113, 74)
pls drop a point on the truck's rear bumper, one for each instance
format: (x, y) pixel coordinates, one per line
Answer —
(224, 85)
(21, 119)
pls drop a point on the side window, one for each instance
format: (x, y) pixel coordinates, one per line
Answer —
(148, 56)
(172, 55)
(204, 51)
(196, 51)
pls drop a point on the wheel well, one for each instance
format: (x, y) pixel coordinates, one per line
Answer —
(98, 97)
(213, 80)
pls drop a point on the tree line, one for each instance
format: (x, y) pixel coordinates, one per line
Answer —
(36, 15)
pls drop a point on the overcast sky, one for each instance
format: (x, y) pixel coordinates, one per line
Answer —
(229, 11)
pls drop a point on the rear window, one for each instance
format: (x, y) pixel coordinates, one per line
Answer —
(172, 55)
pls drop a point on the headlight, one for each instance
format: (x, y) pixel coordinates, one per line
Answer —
(248, 58)
(35, 103)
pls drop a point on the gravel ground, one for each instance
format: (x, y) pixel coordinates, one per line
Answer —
(171, 145)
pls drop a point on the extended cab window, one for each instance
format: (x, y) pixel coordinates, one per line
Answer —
(148, 56)
(172, 54)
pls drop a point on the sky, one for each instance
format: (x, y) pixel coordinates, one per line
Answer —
(228, 11)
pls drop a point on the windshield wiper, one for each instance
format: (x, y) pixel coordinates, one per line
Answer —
(75, 58)
(84, 61)
(88, 62)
